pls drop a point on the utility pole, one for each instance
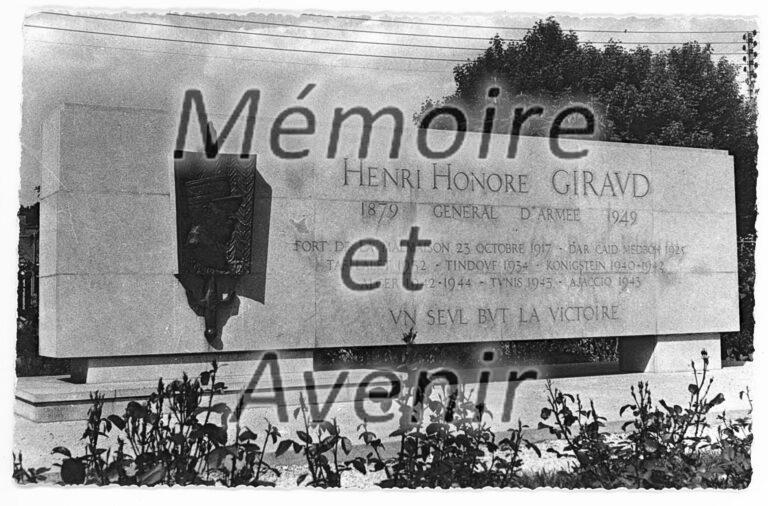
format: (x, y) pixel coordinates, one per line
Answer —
(749, 60)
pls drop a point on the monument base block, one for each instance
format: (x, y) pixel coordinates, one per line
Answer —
(57, 399)
(668, 353)
(98, 370)
(121, 379)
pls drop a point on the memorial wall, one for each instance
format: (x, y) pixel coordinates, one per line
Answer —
(351, 250)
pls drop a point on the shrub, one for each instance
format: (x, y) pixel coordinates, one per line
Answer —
(740, 345)
(580, 428)
(443, 442)
(668, 446)
(180, 436)
(170, 439)
(733, 449)
(327, 441)
(449, 449)
(27, 475)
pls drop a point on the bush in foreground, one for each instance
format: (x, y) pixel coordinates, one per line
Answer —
(180, 436)
(668, 446)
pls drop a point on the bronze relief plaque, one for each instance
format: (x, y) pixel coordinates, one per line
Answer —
(217, 200)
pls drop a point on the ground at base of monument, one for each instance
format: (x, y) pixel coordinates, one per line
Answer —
(36, 440)
(50, 399)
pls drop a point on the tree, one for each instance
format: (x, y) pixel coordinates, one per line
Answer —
(680, 97)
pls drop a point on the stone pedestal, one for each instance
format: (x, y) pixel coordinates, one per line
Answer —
(56, 399)
(98, 370)
(121, 379)
(671, 353)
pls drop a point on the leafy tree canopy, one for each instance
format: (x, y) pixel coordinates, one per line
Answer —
(680, 97)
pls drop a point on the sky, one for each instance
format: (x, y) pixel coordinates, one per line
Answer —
(63, 66)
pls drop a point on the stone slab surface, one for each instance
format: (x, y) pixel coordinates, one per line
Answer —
(630, 240)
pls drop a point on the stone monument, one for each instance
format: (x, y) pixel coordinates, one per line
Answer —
(139, 276)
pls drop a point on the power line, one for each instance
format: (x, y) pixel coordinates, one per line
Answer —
(458, 25)
(238, 32)
(246, 46)
(330, 28)
(649, 43)
(267, 48)
(412, 34)
(380, 32)
(259, 60)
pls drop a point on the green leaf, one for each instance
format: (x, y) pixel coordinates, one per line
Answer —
(719, 399)
(433, 428)
(304, 436)
(327, 426)
(327, 443)
(346, 445)
(283, 447)
(533, 447)
(247, 434)
(359, 464)
(250, 447)
(62, 451)
(117, 421)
